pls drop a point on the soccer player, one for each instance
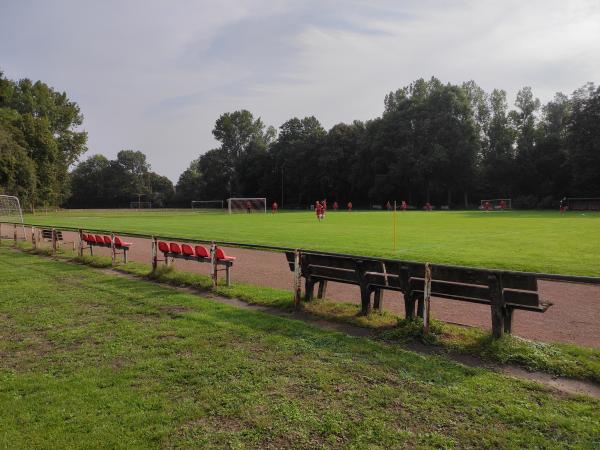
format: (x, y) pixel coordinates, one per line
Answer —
(335, 206)
(403, 206)
(274, 207)
(502, 205)
(563, 205)
(248, 207)
(488, 206)
(349, 206)
(428, 206)
(318, 210)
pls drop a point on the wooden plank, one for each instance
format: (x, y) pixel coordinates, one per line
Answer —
(520, 282)
(521, 298)
(332, 273)
(459, 275)
(440, 288)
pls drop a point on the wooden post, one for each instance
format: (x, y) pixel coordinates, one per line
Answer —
(297, 275)
(228, 275)
(154, 254)
(213, 262)
(322, 289)
(497, 306)
(53, 241)
(112, 248)
(0, 232)
(80, 243)
(426, 299)
(15, 235)
(378, 300)
(33, 239)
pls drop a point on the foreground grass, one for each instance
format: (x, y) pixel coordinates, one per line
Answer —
(555, 358)
(95, 360)
(541, 241)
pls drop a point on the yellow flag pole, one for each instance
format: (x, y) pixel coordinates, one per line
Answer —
(394, 221)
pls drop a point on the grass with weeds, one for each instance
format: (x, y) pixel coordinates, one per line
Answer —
(554, 358)
(90, 359)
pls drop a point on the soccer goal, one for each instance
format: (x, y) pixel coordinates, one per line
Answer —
(583, 204)
(496, 204)
(246, 205)
(140, 205)
(10, 211)
(204, 205)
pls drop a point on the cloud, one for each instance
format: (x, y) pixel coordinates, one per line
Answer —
(155, 76)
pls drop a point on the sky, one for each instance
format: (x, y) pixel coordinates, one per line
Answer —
(154, 76)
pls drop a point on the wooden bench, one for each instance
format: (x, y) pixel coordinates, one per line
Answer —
(45, 234)
(116, 244)
(503, 291)
(200, 254)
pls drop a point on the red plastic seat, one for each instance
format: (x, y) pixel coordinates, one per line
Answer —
(163, 247)
(175, 248)
(107, 240)
(201, 251)
(89, 238)
(120, 243)
(187, 250)
(220, 254)
(99, 239)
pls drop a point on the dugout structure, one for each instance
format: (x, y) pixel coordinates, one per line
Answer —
(140, 205)
(10, 210)
(583, 204)
(496, 203)
(246, 205)
(202, 205)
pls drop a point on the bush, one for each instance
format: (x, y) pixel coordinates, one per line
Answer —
(548, 202)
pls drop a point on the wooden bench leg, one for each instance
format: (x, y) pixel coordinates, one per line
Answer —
(508, 316)
(365, 300)
(125, 255)
(497, 307)
(228, 275)
(420, 307)
(409, 306)
(378, 300)
(322, 289)
(309, 287)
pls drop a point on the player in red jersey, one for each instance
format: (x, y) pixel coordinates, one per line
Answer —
(428, 206)
(319, 210)
(403, 205)
(502, 205)
(274, 207)
(488, 206)
(349, 206)
(335, 206)
(248, 207)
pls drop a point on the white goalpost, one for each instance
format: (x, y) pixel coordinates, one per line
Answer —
(496, 204)
(246, 205)
(140, 205)
(203, 205)
(10, 210)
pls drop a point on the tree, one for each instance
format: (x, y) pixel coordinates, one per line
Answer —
(584, 141)
(17, 170)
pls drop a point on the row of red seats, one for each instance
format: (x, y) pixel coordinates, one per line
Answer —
(104, 240)
(199, 251)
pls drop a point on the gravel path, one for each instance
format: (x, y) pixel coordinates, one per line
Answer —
(573, 318)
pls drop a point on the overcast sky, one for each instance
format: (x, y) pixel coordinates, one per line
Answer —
(155, 75)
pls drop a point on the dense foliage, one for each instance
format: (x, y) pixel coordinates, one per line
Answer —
(38, 141)
(443, 143)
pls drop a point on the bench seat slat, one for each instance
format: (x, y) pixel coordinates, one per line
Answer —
(439, 288)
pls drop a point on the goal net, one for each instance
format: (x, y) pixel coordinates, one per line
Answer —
(140, 205)
(212, 205)
(10, 211)
(496, 204)
(583, 204)
(246, 205)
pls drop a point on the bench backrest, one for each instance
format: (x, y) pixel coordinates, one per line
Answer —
(458, 283)
(47, 234)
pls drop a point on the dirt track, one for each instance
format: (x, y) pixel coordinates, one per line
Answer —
(574, 316)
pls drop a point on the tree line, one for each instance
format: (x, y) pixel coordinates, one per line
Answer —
(443, 143)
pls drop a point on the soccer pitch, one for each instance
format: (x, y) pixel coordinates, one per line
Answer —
(542, 241)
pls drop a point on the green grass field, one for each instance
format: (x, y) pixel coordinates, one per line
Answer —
(542, 241)
(91, 360)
